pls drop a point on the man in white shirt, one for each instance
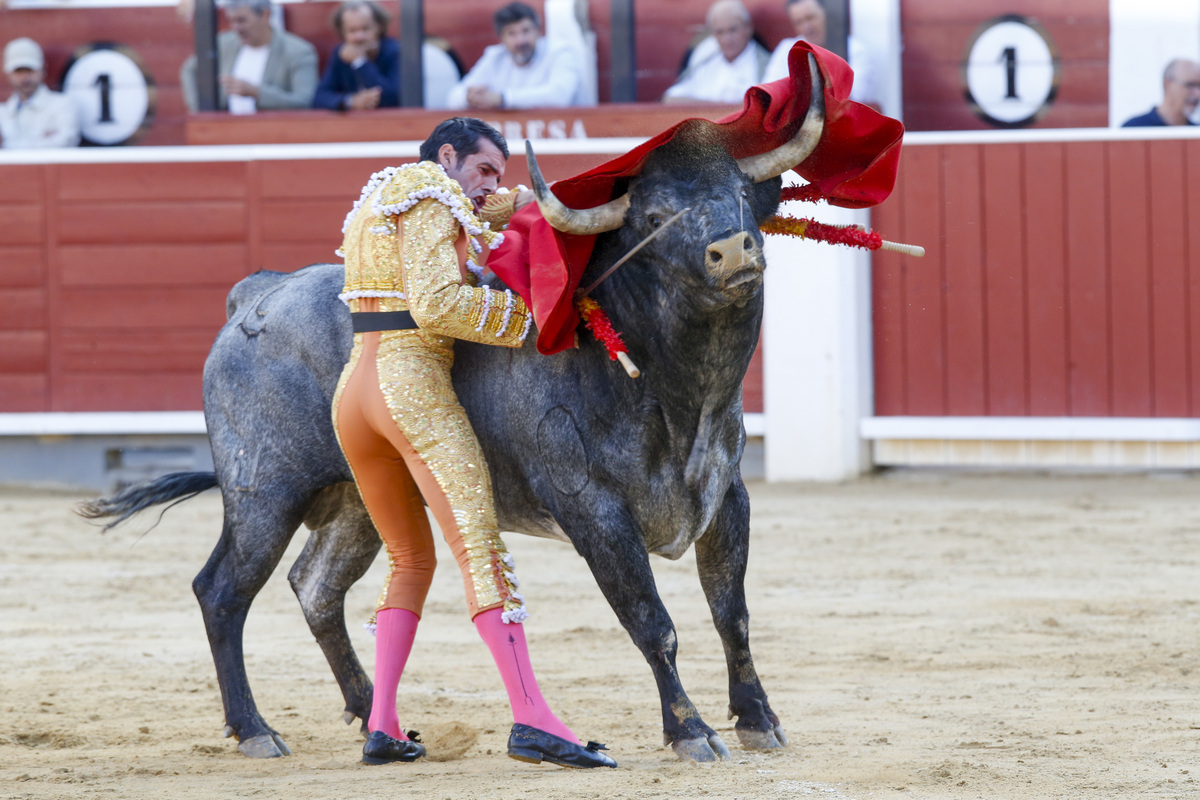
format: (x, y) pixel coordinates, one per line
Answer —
(260, 67)
(722, 74)
(808, 23)
(34, 116)
(523, 71)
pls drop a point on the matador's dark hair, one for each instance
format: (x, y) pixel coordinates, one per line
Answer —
(463, 133)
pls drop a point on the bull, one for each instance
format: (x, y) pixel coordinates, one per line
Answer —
(578, 451)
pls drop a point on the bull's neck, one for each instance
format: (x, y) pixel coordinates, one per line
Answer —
(695, 355)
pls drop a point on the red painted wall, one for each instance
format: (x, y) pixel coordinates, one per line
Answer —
(115, 275)
(1061, 279)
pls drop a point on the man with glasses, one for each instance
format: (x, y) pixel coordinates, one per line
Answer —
(1181, 95)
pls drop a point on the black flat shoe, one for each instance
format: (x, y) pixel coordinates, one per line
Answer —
(383, 749)
(535, 746)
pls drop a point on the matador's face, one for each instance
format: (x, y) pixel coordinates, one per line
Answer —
(479, 174)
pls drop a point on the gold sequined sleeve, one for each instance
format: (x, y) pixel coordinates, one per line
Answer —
(437, 298)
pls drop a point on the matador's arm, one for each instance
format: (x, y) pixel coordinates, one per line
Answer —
(437, 298)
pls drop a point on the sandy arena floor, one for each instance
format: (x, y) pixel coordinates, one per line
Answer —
(922, 635)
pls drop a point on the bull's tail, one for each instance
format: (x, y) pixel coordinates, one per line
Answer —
(178, 486)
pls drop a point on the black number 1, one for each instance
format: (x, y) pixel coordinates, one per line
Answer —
(104, 81)
(1009, 57)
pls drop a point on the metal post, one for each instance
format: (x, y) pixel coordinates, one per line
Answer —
(624, 53)
(412, 39)
(837, 27)
(205, 34)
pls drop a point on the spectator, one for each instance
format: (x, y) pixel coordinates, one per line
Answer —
(364, 72)
(523, 71)
(34, 116)
(1181, 95)
(260, 68)
(808, 23)
(724, 73)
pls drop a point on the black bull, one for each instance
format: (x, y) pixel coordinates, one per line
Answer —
(621, 468)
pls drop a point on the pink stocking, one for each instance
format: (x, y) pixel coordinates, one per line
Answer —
(395, 629)
(507, 645)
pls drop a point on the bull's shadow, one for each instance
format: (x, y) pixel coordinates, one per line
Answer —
(578, 451)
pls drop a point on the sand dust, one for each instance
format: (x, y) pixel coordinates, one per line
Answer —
(921, 635)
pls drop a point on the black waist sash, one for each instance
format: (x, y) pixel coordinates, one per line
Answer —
(367, 321)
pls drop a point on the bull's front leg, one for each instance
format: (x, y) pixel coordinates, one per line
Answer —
(631, 591)
(721, 555)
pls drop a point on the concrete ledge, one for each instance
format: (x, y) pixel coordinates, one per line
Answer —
(103, 423)
(1046, 429)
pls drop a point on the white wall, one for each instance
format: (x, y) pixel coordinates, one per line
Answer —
(877, 24)
(1144, 36)
(817, 380)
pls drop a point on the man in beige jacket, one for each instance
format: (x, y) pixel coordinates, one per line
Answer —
(261, 68)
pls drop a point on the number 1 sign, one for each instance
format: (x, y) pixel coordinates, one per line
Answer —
(114, 94)
(1011, 72)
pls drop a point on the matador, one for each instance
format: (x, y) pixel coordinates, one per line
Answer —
(415, 249)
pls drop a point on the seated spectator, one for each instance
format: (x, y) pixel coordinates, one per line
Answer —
(808, 23)
(364, 72)
(1181, 95)
(260, 68)
(724, 73)
(34, 116)
(523, 71)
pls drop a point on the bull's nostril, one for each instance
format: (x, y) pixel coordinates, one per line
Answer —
(747, 243)
(714, 256)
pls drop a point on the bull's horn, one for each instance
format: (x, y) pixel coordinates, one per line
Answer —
(585, 222)
(765, 166)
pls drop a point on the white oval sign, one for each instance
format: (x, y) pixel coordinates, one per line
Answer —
(1011, 72)
(114, 94)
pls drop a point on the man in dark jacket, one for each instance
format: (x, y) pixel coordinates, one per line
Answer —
(1181, 95)
(364, 72)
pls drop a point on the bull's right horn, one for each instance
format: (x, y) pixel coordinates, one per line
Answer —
(773, 163)
(585, 222)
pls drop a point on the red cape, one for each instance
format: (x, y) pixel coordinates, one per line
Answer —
(854, 166)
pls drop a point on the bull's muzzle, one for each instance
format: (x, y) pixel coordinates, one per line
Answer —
(734, 260)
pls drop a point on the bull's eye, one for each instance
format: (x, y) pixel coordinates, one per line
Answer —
(745, 191)
(656, 221)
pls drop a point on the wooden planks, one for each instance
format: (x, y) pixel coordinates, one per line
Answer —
(937, 36)
(1068, 282)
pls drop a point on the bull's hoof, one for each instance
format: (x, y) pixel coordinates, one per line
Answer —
(710, 749)
(763, 740)
(266, 745)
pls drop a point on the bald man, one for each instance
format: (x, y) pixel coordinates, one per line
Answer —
(1181, 95)
(723, 74)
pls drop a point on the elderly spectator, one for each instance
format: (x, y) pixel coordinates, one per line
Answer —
(724, 73)
(523, 71)
(1181, 95)
(260, 68)
(34, 116)
(364, 72)
(808, 23)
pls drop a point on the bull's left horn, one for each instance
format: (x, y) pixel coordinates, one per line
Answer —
(773, 163)
(585, 222)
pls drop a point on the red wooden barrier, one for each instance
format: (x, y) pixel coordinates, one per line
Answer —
(115, 275)
(1062, 279)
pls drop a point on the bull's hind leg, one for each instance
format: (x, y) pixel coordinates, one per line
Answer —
(632, 593)
(721, 559)
(252, 541)
(340, 549)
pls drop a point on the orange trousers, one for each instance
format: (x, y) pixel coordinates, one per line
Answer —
(407, 438)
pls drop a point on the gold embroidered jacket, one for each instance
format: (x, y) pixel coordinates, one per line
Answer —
(413, 241)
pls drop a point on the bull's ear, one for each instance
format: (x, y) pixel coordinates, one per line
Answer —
(764, 198)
